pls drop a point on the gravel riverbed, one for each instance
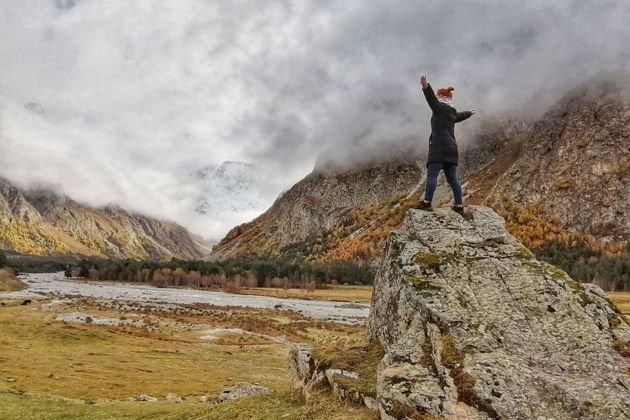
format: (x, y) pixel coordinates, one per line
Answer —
(46, 284)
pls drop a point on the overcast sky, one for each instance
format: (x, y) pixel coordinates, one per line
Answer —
(118, 101)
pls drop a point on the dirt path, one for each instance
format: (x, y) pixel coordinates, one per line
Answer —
(42, 284)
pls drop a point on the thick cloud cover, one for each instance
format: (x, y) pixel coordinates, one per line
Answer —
(127, 98)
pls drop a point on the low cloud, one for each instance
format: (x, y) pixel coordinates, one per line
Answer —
(118, 101)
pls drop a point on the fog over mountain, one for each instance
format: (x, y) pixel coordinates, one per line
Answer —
(120, 101)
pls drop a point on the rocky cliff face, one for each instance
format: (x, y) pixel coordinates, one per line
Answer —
(474, 327)
(41, 222)
(574, 163)
(318, 203)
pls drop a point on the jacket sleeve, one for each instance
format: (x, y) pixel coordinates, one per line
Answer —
(461, 116)
(431, 98)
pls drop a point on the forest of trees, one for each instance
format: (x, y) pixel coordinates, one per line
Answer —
(231, 275)
(588, 265)
(583, 257)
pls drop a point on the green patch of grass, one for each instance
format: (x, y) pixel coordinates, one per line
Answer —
(85, 371)
(282, 405)
(574, 285)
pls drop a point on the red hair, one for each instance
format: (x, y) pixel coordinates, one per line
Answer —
(446, 91)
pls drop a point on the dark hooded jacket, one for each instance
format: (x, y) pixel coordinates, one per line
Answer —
(442, 144)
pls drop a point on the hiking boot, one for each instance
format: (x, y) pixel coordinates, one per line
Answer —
(424, 205)
(458, 209)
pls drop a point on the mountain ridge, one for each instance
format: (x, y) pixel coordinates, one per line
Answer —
(42, 222)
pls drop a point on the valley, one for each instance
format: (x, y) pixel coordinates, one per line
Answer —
(85, 348)
(71, 353)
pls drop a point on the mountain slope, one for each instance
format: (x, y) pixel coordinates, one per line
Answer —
(561, 178)
(575, 163)
(319, 202)
(41, 222)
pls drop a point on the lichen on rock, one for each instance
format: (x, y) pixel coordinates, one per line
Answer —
(473, 326)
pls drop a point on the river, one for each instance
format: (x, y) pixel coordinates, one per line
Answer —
(55, 284)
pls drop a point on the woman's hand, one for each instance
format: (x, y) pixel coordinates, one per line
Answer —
(423, 82)
(473, 111)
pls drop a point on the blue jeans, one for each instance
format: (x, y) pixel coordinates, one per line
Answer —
(450, 171)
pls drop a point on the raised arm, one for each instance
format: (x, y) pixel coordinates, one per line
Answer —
(461, 116)
(429, 94)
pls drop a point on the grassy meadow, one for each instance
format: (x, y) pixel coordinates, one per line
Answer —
(337, 293)
(51, 369)
(622, 300)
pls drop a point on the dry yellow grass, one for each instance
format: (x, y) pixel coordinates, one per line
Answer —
(279, 405)
(621, 300)
(84, 360)
(58, 366)
(364, 294)
(338, 293)
(9, 283)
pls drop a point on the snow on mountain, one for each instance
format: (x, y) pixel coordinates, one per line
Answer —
(227, 187)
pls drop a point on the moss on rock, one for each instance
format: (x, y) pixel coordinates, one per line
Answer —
(428, 260)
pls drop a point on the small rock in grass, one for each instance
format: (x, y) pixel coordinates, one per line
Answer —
(174, 397)
(204, 398)
(11, 379)
(145, 397)
(240, 390)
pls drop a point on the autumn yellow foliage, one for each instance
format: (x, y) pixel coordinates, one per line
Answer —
(533, 228)
(29, 239)
(364, 237)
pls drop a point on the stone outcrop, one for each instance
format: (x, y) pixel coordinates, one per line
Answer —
(241, 390)
(309, 374)
(474, 327)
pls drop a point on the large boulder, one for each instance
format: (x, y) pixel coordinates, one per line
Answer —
(474, 327)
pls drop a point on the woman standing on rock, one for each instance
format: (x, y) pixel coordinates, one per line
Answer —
(443, 154)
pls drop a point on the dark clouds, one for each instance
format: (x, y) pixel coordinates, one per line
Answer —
(139, 93)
